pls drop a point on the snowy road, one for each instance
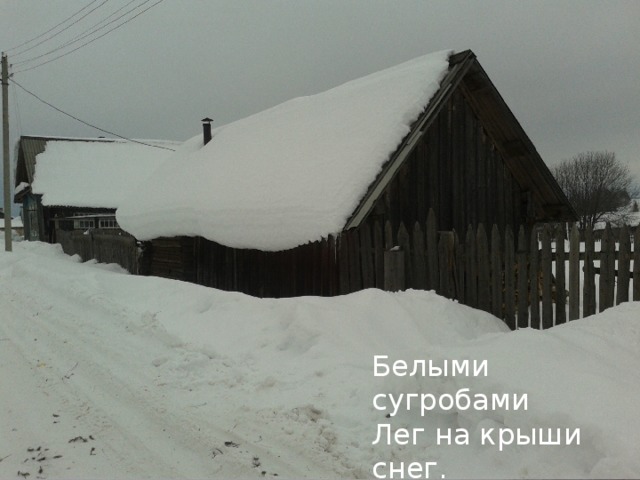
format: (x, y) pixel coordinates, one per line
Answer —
(109, 375)
(83, 376)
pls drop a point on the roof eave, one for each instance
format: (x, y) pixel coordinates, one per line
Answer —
(19, 197)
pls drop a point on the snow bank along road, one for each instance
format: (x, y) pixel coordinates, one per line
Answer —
(109, 375)
(85, 394)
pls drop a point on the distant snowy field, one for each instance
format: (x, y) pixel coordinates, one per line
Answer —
(108, 375)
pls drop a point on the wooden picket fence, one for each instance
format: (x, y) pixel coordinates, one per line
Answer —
(103, 246)
(537, 280)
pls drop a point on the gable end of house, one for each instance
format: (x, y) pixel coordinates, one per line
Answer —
(466, 87)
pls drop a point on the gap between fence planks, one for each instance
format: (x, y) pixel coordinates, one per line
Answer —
(520, 279)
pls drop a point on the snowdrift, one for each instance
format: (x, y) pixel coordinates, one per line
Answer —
(291, 382)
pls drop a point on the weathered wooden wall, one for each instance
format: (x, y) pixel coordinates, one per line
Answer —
(457, 171)
(310, 269)
(169, 258)
(513, 275)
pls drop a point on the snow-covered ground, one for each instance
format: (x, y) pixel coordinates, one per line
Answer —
(108, 375)
(627, 215)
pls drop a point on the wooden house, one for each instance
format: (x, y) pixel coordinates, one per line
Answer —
(463, 155)
(76, 184)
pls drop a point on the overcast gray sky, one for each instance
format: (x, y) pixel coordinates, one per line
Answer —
(569, 70)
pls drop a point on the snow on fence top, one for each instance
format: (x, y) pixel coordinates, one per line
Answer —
(290, 174)
(94, 172)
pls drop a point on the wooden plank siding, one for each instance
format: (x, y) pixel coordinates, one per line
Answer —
(457, 171)
(517, 279)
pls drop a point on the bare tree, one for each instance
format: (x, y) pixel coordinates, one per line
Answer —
(597, 185)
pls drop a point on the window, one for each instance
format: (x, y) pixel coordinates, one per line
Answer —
(108, 223)
(84, 223)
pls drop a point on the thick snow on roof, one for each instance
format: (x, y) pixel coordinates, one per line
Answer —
(94, 173)
(22, 186)
(291, 174)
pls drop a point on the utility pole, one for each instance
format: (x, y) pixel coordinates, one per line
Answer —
(5, 153)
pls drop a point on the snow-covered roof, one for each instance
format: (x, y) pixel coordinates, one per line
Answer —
(94, 172)
(21, 187)
(288, 175)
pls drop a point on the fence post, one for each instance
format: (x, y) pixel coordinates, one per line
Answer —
(458, 272)
(561, 314)
(509, 279)
(496, 273)
(388, 236)
(432, 251)
(446, 264)
(607, 269)
(405, 245)
(394, 270)
(534, 279)
(574, 273)
(636, 264)
(624, 261)
(545, 264)
(589, 296)
(90, 251)
(484, 276)
(523, 281)
(367, 261)
(471, 273)
(324, 268)
(343, 263)
(378, 246)
(355, 272)
(419, 258)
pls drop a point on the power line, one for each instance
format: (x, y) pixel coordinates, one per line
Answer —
(53, 28)
(63, 30)
(94, 39)
(91, 30)
(86, 123)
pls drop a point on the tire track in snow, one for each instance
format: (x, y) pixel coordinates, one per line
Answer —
(136, 426)
(133, 426)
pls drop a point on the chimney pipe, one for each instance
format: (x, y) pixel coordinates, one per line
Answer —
(206, 129)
